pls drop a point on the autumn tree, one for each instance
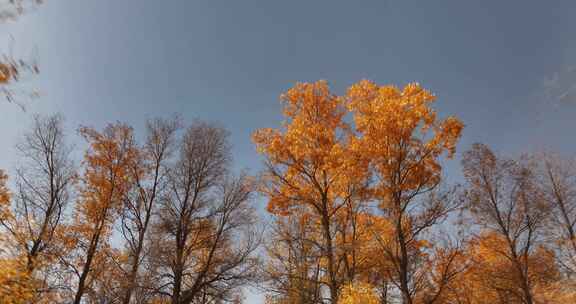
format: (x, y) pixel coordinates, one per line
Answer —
(44, 181)
(148, 172)
(104, 185)
(505, 199)
(491, 276)
(558, 178)
(203, 241)
(15, 285)
(323, 164)
(400, 135)
(310, 166)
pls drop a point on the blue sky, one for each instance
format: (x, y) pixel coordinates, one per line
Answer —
(506, 68)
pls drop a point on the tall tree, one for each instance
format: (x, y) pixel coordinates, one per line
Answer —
(558, 178)
(309, 166)
(504, 198)
(201, 250)
(15, 285)
(148, 173)
(44, 180)
(104, 185)
(401, 137)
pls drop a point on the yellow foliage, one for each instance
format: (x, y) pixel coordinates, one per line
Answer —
(311, 150)
(322, 162)
(106, 176)
(401, 135)
(358, 293)
(16, 286)
(7, 71)
(492, 277)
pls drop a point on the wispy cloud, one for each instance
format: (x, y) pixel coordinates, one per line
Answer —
(560, 88)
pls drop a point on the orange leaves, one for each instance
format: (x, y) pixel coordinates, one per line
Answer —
(450, 130)
(16, 286)
(399, 111)
(493, 274)
(6, 72)
(358, 293)
(313, 103)
(329, 166)
(107, 178)
(4, 197)
(107, 167)
(314, 118)
(310, 152)
(490, 255)
(4, 193)
(401, 135)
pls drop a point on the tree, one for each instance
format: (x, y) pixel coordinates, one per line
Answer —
(104, 185)
(15, 284)
(322, 166)
(203, 242)
(505, 199)
(309, 168)
(558, 178)
(492, 276)
(399, 134)
(44, 180)
(148, 172)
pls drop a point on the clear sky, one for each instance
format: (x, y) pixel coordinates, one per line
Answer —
(506, 68)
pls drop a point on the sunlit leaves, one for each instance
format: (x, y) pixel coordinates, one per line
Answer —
(16, 285)
(358, 293)
(335, 155)
(105, 182)
(401, 135)
(311, 151)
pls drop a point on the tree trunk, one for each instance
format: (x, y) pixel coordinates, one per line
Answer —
(87, 265)
(403, 271)
(333, 284)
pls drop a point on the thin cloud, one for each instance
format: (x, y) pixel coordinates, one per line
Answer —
(560, 88)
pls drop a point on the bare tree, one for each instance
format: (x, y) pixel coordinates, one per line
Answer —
(203, 245)
(149, 174)
(558, 177)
